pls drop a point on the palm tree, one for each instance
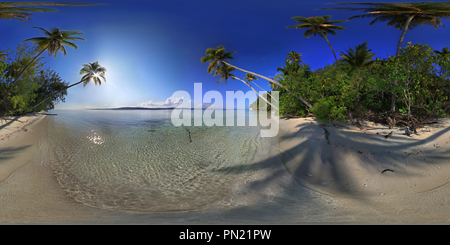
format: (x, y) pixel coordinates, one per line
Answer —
(14, 10)
(289, 68)
(91, 72)
(53, 42)
(217, 57)
(357, 59)
(225, 72)
(319, 25)
(444, 51)
(294, 57)
(402, 15)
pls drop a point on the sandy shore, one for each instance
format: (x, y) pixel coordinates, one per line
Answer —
(304, 179)
(19, 138)
(363, 163)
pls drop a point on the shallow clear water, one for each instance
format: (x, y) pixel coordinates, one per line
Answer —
(136, 160)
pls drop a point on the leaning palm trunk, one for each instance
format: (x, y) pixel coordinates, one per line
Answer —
(272, 81)
(257, 93)
(329, 44)
(21, 73)
(55, 93)
(405, 28)
(399, 46)
(265, 91)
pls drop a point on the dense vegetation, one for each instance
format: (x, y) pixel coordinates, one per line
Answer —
(418, 79)
(35, 84)
(410, 87)
(25, 85)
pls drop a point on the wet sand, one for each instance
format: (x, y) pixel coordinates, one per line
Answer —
(303, 180)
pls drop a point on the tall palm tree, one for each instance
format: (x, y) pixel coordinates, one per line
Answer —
(319, 25)
(357, 59)
(91, 71)
(17, 11)
(217, 57)
(225, 72)
(402, 15)
(53, 42)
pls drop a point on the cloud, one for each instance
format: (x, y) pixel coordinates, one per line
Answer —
(170, 102)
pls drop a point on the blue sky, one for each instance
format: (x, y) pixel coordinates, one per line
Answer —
(153, 48)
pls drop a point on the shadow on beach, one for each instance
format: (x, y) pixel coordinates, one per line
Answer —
(7, 153)
(334, 182)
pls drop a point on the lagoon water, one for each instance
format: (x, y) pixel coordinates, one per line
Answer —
(136, 160)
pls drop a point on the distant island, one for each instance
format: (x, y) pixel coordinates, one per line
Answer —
(146, 108)
(135, 108)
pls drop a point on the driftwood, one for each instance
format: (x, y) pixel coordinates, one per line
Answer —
(389, 135)
(390, 170)
(326, 133)
(400, 120)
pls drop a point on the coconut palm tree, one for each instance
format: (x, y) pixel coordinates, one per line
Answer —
(18, 11)
(225, 72)
(444, 51)
(91, 71)
(289, 67)
(294, 57)
(357, 59)
(319, 25)
(53, 42)
(217, 58)
(403, 16)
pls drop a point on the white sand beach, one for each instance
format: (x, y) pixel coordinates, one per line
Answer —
(19, 138)
(363, 162)
(304, 180)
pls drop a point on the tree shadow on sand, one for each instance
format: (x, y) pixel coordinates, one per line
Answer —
(7, 153)
(392, 153)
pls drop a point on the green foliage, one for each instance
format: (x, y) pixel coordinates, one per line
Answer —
(420, 78)
(329, 108)
(20, 10)
(34, 84)
(49, 83)
(357, 84)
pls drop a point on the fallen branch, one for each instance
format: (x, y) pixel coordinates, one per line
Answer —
(326, 134)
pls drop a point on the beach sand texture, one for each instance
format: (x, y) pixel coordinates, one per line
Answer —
(306, 179)
(356, 162)
(19, 139)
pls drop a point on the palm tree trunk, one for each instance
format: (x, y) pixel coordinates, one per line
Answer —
(272, 81)
(21, 73)
(399, 46)
(55, 93)
(265, 91)
(329, 44)
(257, 93)
(405, 28)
